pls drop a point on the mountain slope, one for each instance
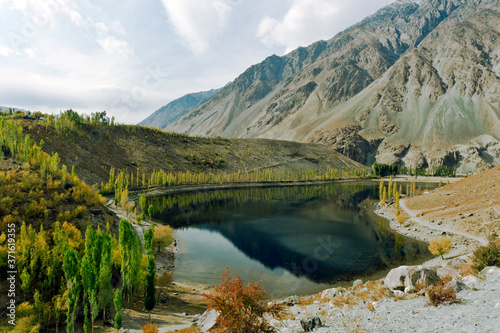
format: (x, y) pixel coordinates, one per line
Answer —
(174, 110)
(416, 83)
(94, 150)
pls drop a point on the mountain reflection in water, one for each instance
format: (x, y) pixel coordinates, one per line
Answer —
(296, 240)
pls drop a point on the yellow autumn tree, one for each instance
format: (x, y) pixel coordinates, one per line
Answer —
(163, 236)
(440, 246)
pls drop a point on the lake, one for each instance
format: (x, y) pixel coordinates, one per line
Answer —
(297, 240)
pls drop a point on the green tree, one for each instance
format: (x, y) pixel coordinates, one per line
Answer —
(94, 307)
(118, 301)
(128, 242)
(150, 300)
(142, 202)
(70, 267)
(148, 239)
(151, 210)
(25, 281)
(105, 295)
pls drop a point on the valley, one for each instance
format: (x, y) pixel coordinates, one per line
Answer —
(357, 178)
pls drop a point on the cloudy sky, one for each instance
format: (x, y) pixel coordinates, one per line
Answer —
(130, 57)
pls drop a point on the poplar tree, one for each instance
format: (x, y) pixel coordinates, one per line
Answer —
(70, 268)
(148, 239)
(105, 295)
(389, 188)
(118, 301)
(150, 299)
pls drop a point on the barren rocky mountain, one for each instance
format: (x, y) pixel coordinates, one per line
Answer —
(416, 83)
(174, 110)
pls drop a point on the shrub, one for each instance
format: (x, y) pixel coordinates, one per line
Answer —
(401, 218)
(441, 293)
(488, 255)
(150, 328)
(440, 246)
(241, 307)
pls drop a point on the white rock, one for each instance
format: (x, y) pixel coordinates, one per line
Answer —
(329, 293)
(357, 283)
(207, 320)
(396, 277)
(410, 290)
(399, 293)
(489, 272)
(470, 281)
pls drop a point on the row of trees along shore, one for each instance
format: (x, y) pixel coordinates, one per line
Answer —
(64, 266)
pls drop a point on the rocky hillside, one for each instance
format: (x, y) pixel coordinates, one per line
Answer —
(94, 150)
(416, 83)
(174, 110)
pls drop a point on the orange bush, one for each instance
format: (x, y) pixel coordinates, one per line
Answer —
(241, 307)
(150, 328)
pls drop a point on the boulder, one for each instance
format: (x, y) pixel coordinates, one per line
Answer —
(422, 277)
(489, 272)
(329, 293)
(208, 320)
(455, 263)
(404, 276)
(446, 270)
(457, 285)
(470, 281)
(310, 323)
(290, 301)
(357, 283)
(395, 280)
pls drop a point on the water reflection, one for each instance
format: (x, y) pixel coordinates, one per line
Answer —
(297, 240)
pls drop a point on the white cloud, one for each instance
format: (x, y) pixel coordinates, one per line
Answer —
(198, 21)
(6, 51)
(42, 12)
(305, 22)
(114, 46)
(310, 20)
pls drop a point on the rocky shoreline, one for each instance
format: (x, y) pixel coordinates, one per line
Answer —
(399, 302)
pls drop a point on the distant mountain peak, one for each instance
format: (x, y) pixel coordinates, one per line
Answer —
(416, 84)
(174, 110)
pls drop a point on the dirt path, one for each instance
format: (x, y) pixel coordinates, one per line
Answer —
(413, 214)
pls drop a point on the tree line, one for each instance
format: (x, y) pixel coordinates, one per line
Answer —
(61, 270)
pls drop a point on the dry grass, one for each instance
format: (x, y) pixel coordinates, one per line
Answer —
(370, 307)
(310, 300)
(466, 270)
(352, 323)
(371, 291)
(441, 293)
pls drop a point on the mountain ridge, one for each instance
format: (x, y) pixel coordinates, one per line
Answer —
(174, 110)
(430, 63)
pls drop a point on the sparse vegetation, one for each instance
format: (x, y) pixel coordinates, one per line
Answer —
(488, 255)
(442, 293)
